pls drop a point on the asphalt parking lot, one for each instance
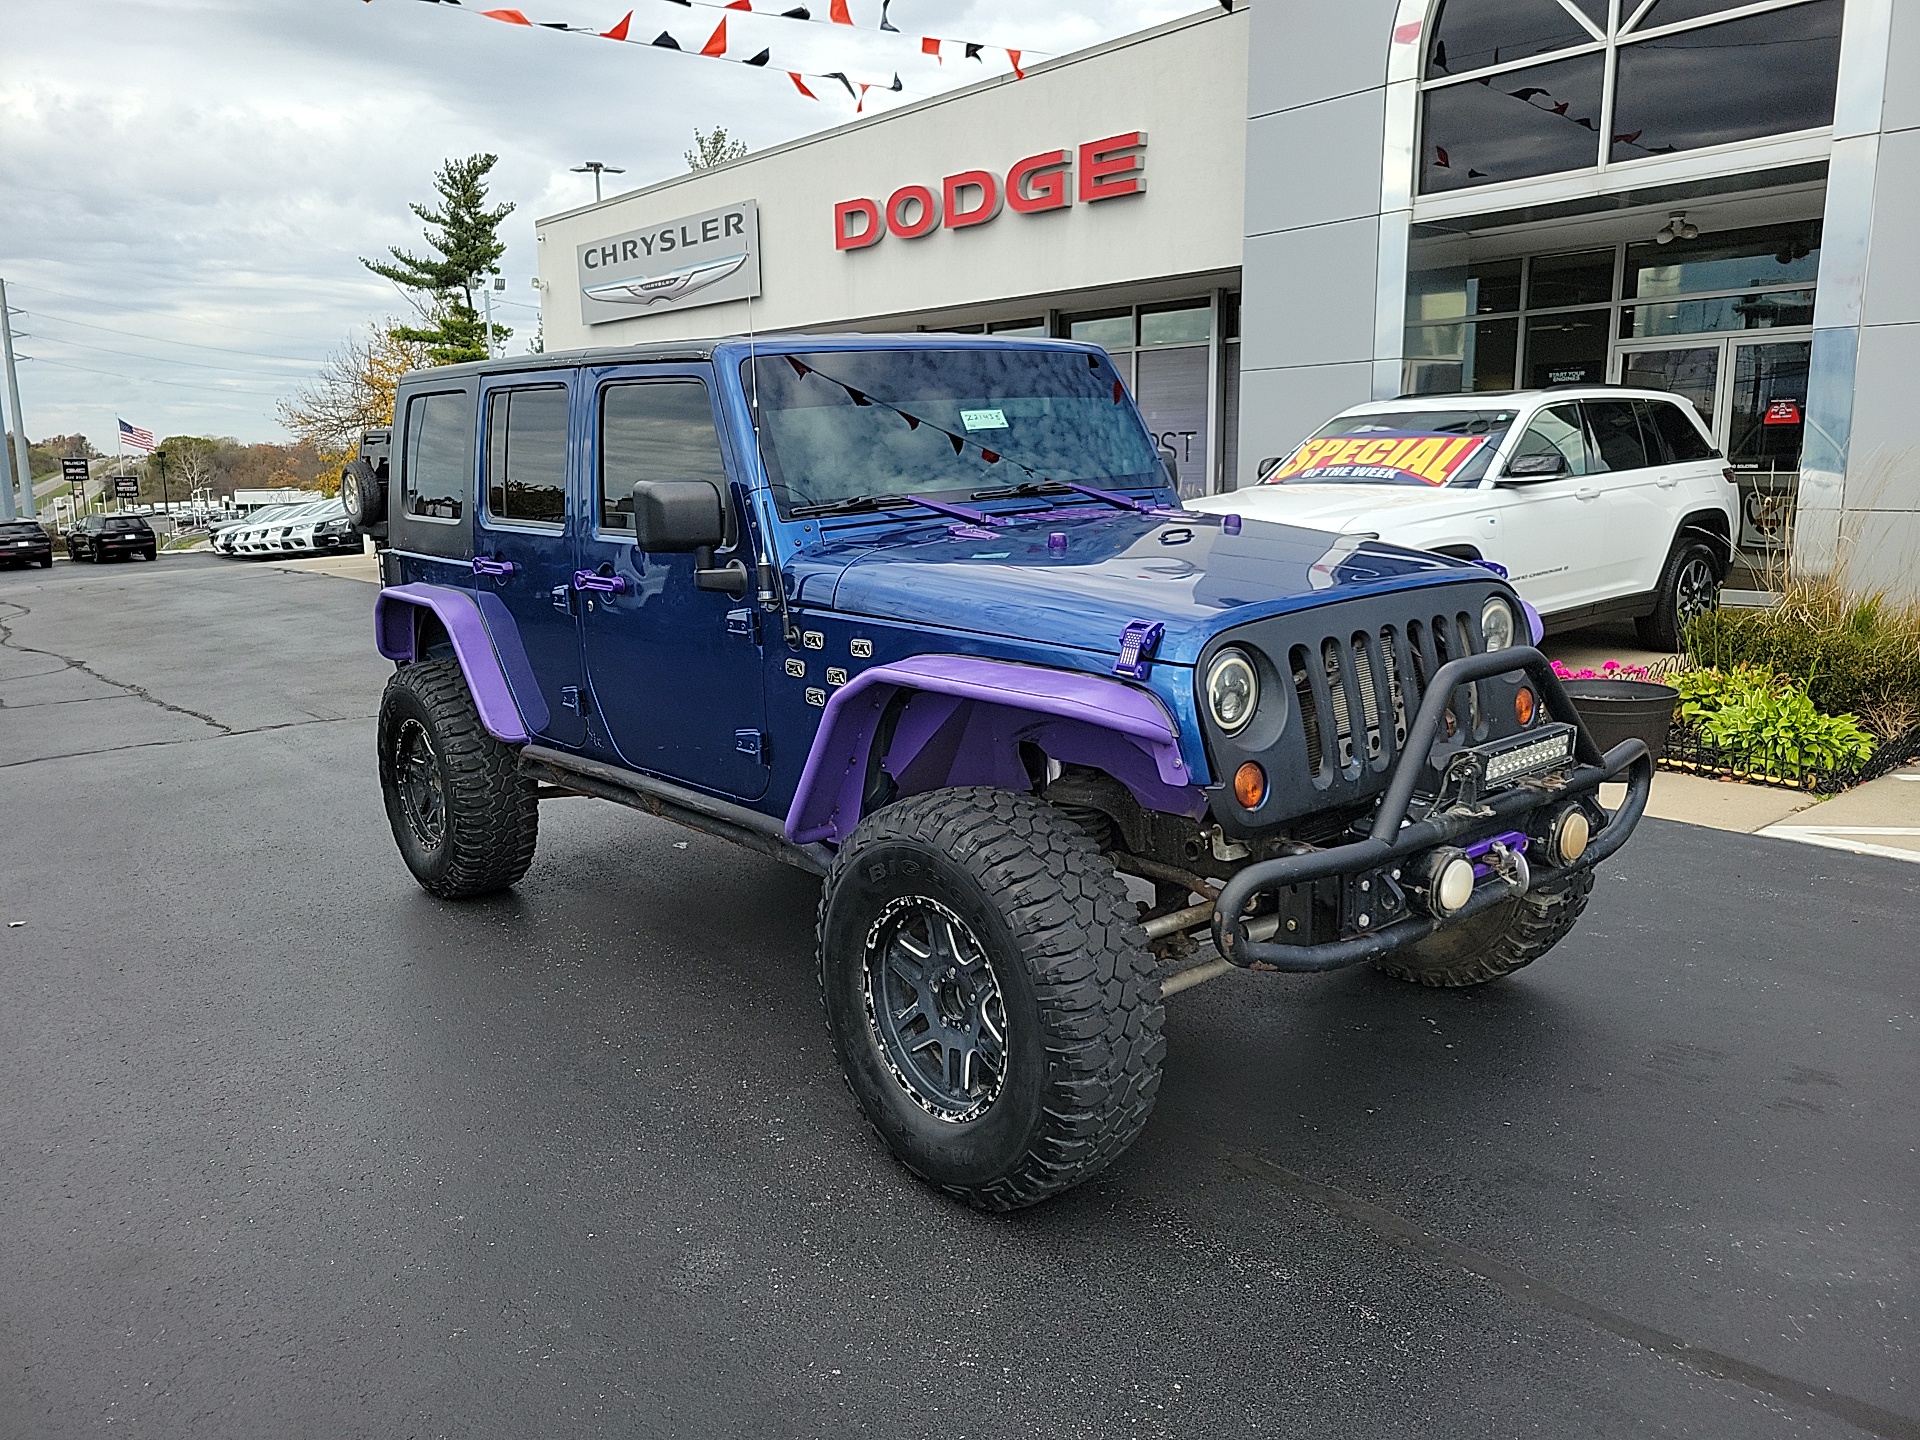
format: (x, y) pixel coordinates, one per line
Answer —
(291, 1149)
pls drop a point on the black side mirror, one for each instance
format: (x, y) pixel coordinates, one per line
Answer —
(1537, 467)
(676, 517)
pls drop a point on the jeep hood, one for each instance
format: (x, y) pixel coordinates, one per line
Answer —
(1188, 571)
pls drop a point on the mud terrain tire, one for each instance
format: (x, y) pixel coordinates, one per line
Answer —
(1495, 942)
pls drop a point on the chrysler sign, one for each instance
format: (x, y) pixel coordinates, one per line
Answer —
(695, 260)
(1102, 170)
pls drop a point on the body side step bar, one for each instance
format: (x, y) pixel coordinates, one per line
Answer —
(691, 808)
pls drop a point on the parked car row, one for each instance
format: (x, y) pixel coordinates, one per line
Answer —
(309, 528)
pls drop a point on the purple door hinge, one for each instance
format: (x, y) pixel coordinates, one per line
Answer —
(1137, 644)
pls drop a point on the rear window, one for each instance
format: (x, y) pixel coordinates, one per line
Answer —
(126, 522)
(1683, 437)
(1409, 447)
(21, 530)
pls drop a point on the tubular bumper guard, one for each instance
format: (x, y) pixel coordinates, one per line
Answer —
(1392, 839)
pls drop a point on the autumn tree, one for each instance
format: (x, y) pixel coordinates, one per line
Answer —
(463, 236)
(713, 149)
(353, 392)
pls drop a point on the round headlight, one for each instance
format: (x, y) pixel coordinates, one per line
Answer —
(1496, 623)
(1233, 690)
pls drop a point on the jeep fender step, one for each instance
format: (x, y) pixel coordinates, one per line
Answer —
(691, 808)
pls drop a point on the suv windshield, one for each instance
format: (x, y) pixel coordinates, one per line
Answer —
(852, 425)
(1398, 447)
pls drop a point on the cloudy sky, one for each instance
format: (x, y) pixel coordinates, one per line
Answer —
(186, 185)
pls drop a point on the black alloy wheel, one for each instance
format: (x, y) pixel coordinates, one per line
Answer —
(1689, 588)
(936, 1008)
(423, 800)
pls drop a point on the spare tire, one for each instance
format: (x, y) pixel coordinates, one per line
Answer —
(363, 491)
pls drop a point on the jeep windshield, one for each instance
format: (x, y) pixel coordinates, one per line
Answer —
(853, 430)
(1398, 447)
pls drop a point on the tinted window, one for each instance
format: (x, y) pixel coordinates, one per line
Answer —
(527, 454)
(126, 522)
(1567, 349)
(1617, 440)
(654, 430)
(1768, 74)
(439, 456)
(1472, 34)
(25, 530)
(1683, 439)
(1582, 278)
(1725, 260)
(1535, 121)
(1555, 431)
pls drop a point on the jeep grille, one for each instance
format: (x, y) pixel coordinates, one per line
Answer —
(1358, 691)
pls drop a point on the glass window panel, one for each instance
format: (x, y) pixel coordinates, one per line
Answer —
(1582, 278)
(1769, 407)
(527, 454)
(1728, 312)
(1189, 324)
(1556, 431)
(1535, 121)
(1109, 329)
(1568, 349)
(1768, 74)
(1492, 348)
(1448, 359)
(1493, 287)
(1450, 292)
(654, 430)
(1172, 396)
(1618, 443)
(1023, 329)
(439, 456)
(1672, 12)
(1727, 260)
(1230, 315)
(1471, 34)
(1691, 372)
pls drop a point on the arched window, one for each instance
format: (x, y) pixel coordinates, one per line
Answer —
(1515, 88)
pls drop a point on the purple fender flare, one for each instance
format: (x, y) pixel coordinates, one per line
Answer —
(487, 646)
(963, 723)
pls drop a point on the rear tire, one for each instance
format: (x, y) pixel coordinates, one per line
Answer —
(1689, 587)
(989, 994)
(466, 820)
(1495, 942)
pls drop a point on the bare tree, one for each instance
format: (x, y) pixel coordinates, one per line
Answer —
(353, 392)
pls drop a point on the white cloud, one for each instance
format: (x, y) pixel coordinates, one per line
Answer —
(188, 185)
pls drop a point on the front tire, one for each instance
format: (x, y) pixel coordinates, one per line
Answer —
(989, 994)
(1497, 941)
(465, 818)
(1689, 588)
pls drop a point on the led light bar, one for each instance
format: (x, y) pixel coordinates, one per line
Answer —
(1541, 754)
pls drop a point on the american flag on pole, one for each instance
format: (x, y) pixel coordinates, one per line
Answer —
(134, 438)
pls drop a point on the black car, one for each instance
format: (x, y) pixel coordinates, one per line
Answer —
(22, 541)
(102, 537)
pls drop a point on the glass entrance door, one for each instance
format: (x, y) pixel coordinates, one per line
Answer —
(1764, 420)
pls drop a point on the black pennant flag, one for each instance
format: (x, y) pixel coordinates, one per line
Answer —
(837, 75)
(973, 52)
(957, 443)
(759, 59)
(666, 41)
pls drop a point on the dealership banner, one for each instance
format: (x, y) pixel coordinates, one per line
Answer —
(1430, 459)
(682, 264)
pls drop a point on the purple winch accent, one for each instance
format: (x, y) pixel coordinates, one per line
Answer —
(459, 614)
(959, 512)
(602, 584)
(1057, 543)
(964, 725)
(1137, 644)
(1512, 839)
(1230, 524)
(485, 565)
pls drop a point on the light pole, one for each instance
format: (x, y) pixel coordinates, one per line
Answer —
(20, 459)
(487, 285)
(598, 167)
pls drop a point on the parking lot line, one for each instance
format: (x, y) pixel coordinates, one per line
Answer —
(1847, 837)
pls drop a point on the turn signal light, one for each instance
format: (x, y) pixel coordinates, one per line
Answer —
(1523, 705)
(1250, 785)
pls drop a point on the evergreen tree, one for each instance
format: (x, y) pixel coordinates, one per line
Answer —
(464, 235)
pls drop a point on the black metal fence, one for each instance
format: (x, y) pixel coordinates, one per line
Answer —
(1690, 754)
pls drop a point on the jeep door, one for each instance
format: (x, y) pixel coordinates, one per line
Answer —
(1551, 523)
(523, 545)
(675, 671)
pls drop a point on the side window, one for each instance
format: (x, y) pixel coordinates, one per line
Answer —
(1617, 437)
(1555, 431)
(439, 456)
(1683, 437)
(527, 455)
(654, 430)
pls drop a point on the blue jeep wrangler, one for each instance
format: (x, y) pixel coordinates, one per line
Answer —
(922, 615)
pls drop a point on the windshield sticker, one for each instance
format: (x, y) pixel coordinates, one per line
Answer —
(983, 419)
(1430, 459)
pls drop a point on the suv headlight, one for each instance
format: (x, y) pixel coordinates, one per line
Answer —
(1497, 625)
(1233, 690)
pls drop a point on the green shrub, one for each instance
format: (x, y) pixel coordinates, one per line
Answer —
(1769, 721)
(1857, 654)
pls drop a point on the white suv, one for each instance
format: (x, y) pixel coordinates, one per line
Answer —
(1600, 502)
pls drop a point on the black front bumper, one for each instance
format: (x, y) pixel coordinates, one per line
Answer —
(1394, 843)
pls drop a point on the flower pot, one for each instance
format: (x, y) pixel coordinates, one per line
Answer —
(1616, 710)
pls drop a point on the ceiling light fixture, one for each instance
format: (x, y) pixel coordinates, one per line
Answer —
(1678, 227)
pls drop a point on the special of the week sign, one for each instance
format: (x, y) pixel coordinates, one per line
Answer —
(1432, 459)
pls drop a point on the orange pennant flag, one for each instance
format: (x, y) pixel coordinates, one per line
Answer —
(801, 85)
(861, 107)
(511, 17)
(837, 12)
(931, 46)
(618, 32)
(716, 45)
(1013, 58)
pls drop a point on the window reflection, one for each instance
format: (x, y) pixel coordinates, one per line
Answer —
(1582, 278)
(1726, 260)
(1531, 121)
(1471, 34)
(1725, 312)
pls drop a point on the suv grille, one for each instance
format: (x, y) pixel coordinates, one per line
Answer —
(1358, 691)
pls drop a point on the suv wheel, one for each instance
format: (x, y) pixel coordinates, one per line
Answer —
(989, 994)
(1689, 588)
(465, 818)
(1497, 941)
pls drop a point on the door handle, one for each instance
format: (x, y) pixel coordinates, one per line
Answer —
(1667, 482)
(1587, 493)
(604, 584)
(483, 565)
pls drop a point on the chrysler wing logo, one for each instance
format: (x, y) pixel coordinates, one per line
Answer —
(674, 285)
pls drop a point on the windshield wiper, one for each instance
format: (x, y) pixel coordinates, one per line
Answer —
(852, 505)
(1024, 488)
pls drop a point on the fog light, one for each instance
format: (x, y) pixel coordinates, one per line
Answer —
(1523, 705)
(1570, 834)
(1250, 785)
(1448, 882)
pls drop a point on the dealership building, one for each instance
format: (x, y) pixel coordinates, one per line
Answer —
(1270, 213)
